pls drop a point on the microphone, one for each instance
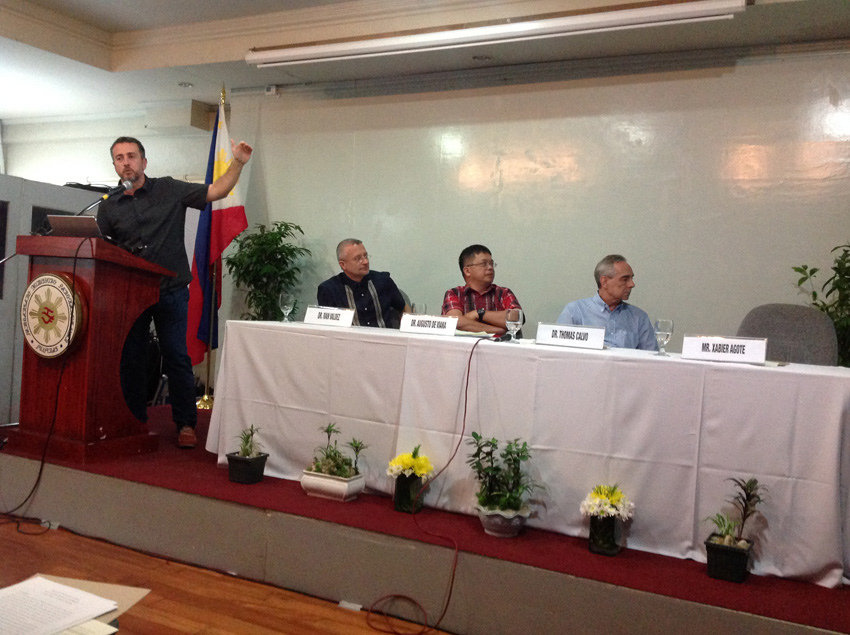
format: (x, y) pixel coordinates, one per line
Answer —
(125, 185)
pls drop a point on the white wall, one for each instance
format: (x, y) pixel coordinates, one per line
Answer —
(22, 196)
(713, 181)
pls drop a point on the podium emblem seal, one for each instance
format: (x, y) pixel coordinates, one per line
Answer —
(51, 314)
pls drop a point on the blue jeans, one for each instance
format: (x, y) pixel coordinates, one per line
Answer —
(169, 316)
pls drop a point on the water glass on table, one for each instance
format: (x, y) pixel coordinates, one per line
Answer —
(513, 322)
(663, 331)
(287, 303)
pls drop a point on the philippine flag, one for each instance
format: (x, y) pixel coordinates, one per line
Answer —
(218, 225)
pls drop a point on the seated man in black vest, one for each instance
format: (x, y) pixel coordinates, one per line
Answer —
(373, 295)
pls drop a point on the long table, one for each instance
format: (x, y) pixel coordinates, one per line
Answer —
(670, 432)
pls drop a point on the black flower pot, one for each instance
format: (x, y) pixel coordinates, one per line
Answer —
(603, 536)
(727, 563)
(246, 469)
(408, 494)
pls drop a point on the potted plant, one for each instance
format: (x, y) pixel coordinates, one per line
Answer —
(727, 551)
(265, 264)
(410, 471)
(835, 301)
(607, 507)
(247, 464)
(333, 474)
(503, 484)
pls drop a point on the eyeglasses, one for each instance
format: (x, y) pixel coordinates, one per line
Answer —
(483, 263)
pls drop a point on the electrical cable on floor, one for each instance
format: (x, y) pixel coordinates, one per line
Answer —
(374, 608)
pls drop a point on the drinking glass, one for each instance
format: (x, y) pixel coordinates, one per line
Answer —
(663, 331)
(419, 308)
(287, 303)
(513, 322)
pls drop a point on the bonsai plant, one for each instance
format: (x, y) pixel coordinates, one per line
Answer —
(503, 484)
(248, 463)
(835, 298)
(332, 474)
(265, 264)
(727, 551)
(605, 505)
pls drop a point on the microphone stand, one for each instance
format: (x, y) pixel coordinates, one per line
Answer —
(125, 185)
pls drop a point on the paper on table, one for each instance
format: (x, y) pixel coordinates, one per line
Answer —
(125, 596)
(92, 627)
(40, 607)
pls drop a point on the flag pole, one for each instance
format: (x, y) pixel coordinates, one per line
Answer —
(206, 402)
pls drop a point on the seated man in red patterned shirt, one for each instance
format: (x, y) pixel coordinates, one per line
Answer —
(479, 304)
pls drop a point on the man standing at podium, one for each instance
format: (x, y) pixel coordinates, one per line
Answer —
(149, 220)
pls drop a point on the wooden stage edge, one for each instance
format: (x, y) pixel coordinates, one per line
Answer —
(340, 563)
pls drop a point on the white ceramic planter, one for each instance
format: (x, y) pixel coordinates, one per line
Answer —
(332, 487)
(502, 524)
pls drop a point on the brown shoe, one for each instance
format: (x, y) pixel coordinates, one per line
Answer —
(186, 438)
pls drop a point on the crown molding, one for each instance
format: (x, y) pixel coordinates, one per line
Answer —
(56, 33)
(229, 40)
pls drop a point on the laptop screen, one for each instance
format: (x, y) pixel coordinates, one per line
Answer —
(77, 226)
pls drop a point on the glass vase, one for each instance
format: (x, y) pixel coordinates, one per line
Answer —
(603, 535)
(406, 496)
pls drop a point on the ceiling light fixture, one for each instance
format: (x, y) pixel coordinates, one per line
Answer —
(679, 12)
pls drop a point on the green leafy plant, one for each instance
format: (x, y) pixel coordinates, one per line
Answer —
(331, 460)
(834, 298)
(502, 479)
(746, 499)
(265, 264)
(724, 528)
(248, 445)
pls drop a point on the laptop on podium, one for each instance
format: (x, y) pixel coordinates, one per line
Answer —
(76, 226)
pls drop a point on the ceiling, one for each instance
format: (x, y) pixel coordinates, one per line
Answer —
(41, 85)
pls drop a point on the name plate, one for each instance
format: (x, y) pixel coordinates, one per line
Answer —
(329, 316)
(725, 349)
(569, 335)
(433, 324)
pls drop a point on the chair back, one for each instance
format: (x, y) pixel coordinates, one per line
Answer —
(795, 333)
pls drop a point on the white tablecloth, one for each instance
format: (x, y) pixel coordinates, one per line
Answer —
(668, 431)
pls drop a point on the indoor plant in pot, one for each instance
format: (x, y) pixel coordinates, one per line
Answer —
(606, 506)
(247, 464)
(265, 264)
(727, 551)
(503, 484)
(333, 474)
(834, 299)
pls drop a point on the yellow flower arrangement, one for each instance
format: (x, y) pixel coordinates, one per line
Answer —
(411, 463)
(607, 500)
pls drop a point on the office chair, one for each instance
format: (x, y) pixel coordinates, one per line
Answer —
(795, 333)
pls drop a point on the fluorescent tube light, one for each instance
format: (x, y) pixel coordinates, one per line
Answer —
(509, 32)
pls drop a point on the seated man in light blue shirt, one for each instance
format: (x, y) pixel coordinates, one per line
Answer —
(626, 326)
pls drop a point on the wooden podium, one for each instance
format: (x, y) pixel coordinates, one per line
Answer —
(92, 420)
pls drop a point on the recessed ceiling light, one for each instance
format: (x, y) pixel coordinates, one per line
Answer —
(482, 58)
(186, 85)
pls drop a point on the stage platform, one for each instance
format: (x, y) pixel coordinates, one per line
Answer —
(178, 504)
